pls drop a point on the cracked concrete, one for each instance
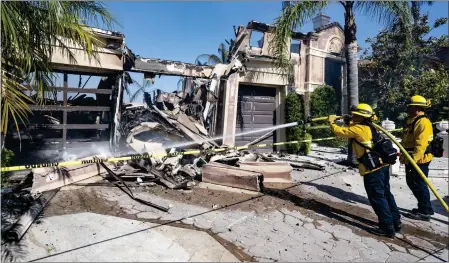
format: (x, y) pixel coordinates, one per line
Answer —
(324, 218)
(293, 235)
(90, 237)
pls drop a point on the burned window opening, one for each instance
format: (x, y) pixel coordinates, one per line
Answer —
(256, 39)
(295, 46)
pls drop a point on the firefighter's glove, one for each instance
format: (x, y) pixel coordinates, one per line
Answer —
(403, 159)
(347, 119)
(309, 119)
(331, 118)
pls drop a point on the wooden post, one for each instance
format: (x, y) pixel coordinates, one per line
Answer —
(64, 113)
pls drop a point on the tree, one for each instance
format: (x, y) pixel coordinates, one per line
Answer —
(397, 69)
(29, 30)
(295, 13)
(140, 89)
(323, 102)
(211, 59)
(294, 109)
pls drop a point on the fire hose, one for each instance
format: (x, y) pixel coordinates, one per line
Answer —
(405, 153)
(420, 172)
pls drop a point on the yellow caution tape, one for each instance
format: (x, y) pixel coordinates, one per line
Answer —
(145, 156)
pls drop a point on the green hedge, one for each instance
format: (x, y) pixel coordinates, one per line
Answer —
(325, 133)
(306, 147)
(323, 102)
(294, 111)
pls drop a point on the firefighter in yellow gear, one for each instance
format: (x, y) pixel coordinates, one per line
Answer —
(416, 137)
(377, 180)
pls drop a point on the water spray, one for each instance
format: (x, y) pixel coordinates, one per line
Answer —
(268, 129)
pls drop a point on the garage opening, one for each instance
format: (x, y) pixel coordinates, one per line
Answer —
(256, 109)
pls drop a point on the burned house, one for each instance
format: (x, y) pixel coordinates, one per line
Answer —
(76, 117)
(246, 94)
(254, 99)
(178, 138)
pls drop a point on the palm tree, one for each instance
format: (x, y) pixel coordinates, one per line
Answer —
(296, 13)
(416, 9)
(140, 90)
(223, 52)
(29, 30)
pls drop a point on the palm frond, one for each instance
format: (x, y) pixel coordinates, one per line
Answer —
(213, 60)
(180, 81)
(200, 58)
(223, 52)
(14, 101)
(294, 15)
(140, 90)
(386, 12)
(389, 13)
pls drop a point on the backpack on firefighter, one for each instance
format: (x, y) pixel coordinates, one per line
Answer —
(435, 147)
(382, 149)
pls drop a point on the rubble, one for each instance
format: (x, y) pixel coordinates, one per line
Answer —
(21, 226)
(50, 178)
(273, 172)
(166, 124)
(227, 175)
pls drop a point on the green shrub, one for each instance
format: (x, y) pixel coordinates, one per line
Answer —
(325, 133)
(294, 111)
(305, 147)
(323, 102)
(7, 156)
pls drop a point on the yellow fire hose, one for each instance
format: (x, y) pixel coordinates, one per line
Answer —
(408, 157)
(320, 119)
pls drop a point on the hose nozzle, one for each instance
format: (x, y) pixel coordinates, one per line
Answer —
(304, 122)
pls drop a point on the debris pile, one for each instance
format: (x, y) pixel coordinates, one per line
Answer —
(168, 123)
(174, 122)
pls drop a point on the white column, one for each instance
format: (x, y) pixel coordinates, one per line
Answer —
(443, 126)
(390, 125)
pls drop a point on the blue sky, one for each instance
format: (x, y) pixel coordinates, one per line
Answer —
(183, 30)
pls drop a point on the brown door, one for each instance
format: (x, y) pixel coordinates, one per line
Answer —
(256, 109)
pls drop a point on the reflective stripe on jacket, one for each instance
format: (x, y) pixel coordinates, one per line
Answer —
(362, 134)
(417, 141)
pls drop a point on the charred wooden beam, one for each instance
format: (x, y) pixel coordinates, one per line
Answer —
(262, 27)
(67, 108)
(69, 126)
(171, 68)
(94, 91)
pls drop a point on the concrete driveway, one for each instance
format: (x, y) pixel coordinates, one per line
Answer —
(90, 237)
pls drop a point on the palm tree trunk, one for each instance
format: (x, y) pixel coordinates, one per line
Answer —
(415, 12)
(352, 75)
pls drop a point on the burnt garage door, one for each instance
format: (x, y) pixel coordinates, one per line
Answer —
(256, 109)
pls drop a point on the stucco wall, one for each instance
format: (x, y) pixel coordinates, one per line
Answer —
(107, 59)
(317, 70)
(262, 72)
(326, 36)
(309, 73)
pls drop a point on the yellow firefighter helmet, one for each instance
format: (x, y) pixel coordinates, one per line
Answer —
(419, 101)
(363, 109)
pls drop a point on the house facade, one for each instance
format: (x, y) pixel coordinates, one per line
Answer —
(254, 99)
